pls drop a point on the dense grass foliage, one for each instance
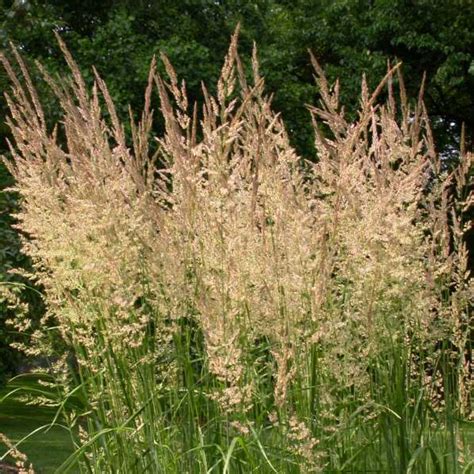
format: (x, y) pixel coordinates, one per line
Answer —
(221, 305)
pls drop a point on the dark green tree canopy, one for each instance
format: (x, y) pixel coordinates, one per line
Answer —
(350, 37)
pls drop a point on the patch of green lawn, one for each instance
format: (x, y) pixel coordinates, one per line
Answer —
(48, 448)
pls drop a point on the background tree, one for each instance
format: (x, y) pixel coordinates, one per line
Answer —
(350, 37)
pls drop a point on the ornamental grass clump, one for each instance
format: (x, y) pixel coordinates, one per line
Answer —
(222, 304)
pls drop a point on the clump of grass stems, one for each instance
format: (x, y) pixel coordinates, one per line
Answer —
(223, 305)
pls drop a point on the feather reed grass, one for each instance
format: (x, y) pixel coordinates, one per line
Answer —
(223, 305)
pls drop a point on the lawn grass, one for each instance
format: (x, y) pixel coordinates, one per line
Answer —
(48, 448)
